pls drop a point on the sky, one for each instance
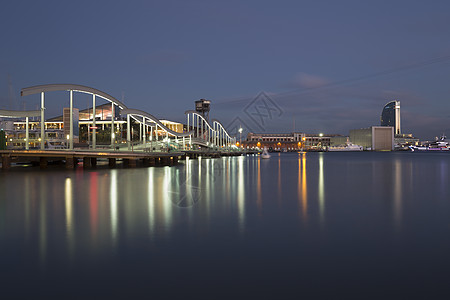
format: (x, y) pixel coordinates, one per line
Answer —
(268, 66)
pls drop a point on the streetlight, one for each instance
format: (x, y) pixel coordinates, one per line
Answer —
(240, 133)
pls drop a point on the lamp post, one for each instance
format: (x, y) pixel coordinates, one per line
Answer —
(240, 136)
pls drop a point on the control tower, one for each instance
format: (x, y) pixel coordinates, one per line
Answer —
(202, 106)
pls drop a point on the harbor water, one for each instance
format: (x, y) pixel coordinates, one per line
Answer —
(310, 225)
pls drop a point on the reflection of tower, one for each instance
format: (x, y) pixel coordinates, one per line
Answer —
(203, 106)
(390, 116)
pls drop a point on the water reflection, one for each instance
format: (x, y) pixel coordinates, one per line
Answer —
(102, 210)
(321, 187)
(397, 193)
(258, 187)
(151, 202)
(279, 178)
(42, 223)
(302, 192)
(114, 183)
(241, 193)
(166, 201)
(93, 205)
(68, 203)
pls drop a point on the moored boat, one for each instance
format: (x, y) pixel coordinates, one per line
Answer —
(265, 154)
(347, 147)
(441, 144)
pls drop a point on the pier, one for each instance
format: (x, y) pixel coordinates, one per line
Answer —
(134, 137)
(70, 159)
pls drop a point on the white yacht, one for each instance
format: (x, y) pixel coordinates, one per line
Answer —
(441, 144)
(265, 154)
(347, 147)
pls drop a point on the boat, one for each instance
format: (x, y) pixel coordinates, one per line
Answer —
(265, 154)
(440, 144)
(347, 147)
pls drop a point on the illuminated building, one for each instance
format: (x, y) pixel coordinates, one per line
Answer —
(390, 116)
(57, 129)
(286, 141)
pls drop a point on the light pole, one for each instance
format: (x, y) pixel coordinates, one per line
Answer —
(240, 136)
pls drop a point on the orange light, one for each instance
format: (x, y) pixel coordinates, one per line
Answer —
(258, 144)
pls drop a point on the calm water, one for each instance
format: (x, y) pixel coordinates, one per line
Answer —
(314, 225)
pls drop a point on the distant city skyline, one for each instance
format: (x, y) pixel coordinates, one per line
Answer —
(327, 67)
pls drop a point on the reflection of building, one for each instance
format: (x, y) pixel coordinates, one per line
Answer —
(377, 138)
(286, 141)
(390, 116)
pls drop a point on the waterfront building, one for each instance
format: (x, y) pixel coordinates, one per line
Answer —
(405, 139)
(293, 141)
(338, 140)
(376, 138)
(390, 116)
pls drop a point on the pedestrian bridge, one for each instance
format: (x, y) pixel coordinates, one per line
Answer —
(198, 134)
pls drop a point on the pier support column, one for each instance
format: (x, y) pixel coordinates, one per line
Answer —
(43, 162)
(145, 161)
(165, 161)
(132, 163)
(151, 161)
(70, 162)
(6, 162)
(93, 162)
(175, 159)
(86, 162)
(112, 162)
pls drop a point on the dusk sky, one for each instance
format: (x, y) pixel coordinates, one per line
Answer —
(328, 66)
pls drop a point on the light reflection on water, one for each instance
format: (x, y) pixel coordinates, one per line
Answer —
(297, 201)
(111, 202)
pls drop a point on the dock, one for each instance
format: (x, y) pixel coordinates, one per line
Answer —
(71, 158)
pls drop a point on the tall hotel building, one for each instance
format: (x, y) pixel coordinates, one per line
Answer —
(390, 116)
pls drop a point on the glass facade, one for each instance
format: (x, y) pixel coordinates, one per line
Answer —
(390, 116)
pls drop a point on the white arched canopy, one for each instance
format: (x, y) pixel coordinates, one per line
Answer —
(146, 115)
(73, 88)
(70, 87)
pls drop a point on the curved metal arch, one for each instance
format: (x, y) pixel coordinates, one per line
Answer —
(19, 113)
(143, 121)
(130, 111)
(196, 113)
(67, 87)
(223, 127)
